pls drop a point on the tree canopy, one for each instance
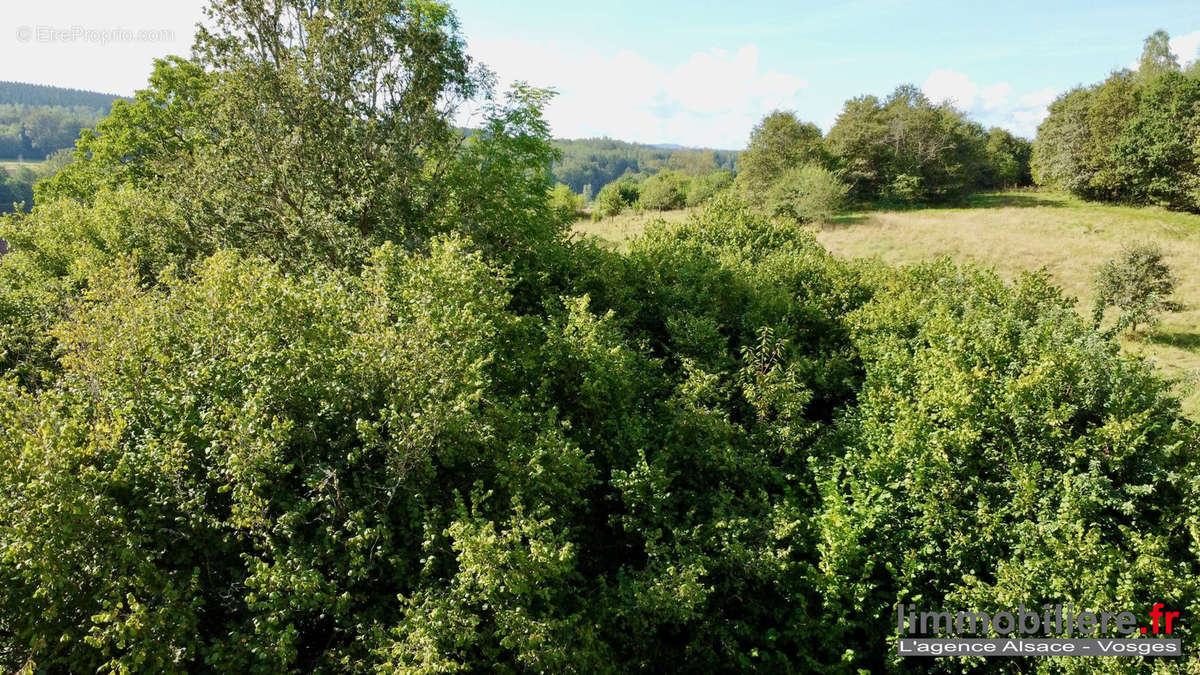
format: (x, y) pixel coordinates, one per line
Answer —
(295, 376)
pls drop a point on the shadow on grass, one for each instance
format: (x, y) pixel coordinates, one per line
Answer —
(1177, 339)
(846, 219)
(978, 200)
(1008, 200)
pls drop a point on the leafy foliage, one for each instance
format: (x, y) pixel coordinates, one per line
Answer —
(1139, 283)
(663, 191)
(566, 205)
(808, 194)
(908, 149)
(1133, 138)
(778, 144)
(296, 376)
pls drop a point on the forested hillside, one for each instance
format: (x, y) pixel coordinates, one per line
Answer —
(596, 162)
(36, 120)
(297, 377)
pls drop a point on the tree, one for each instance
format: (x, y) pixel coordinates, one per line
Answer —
(908, 149)
(1059, 153)
(566, 205)
(1157, 57)
(609, 201)
(1138, 283)
(1133, 138)
(1156, 157)
(778, 143)
(664, 191)
(703, 188)
(1008, 159)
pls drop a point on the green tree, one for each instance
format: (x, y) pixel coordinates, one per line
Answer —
(703, 188)
(664, 191)
(778, 143)
(1156, 58)
(1138, 283)
(566, 205)
(1008, 159)
(907, 148)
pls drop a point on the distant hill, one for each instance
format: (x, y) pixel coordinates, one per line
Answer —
(37, 120)
(599, 161)
(21, 93)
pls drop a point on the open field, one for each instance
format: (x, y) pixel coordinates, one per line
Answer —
(1016, 231)
(619, 229)
(11, 165)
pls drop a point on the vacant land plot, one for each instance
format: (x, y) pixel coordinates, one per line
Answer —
(1018, 231)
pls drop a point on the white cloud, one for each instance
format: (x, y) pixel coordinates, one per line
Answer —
(992, 104)
(712, 98)
(1185, 47)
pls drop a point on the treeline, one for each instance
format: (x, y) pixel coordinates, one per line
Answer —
(37, 120)
(1133, 138)
(36, 95)
(900, 149)
(596, 162)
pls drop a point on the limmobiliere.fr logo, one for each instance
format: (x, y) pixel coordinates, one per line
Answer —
(1076, 632)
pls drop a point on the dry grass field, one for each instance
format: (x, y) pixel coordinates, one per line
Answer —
(1016, 231)
(11, 165)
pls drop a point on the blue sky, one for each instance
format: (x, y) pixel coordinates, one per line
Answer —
(698, 72)
(701, 73)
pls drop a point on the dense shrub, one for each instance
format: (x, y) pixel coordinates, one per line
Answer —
(703, 188)
(564, 204)
(1001, 453)
(410, 425)
(663, 191)
(1138, 283)
(808, 194)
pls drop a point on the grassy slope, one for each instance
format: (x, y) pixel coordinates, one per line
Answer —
(11, 165)
(1018, 231)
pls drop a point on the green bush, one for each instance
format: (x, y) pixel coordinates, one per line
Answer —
(564, 204)
(1000, 453)
(703, 188)
(1138, 283)
(618, 196)
(609, 201)
(663, 191)
(807, 195)
(408, 424)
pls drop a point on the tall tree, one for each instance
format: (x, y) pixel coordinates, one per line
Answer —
(1157, 57)
(778, 143)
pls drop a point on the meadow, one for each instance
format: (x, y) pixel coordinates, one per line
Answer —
(1014, 232)
(11, 165)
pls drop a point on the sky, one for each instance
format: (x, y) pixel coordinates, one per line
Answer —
(692, 72)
